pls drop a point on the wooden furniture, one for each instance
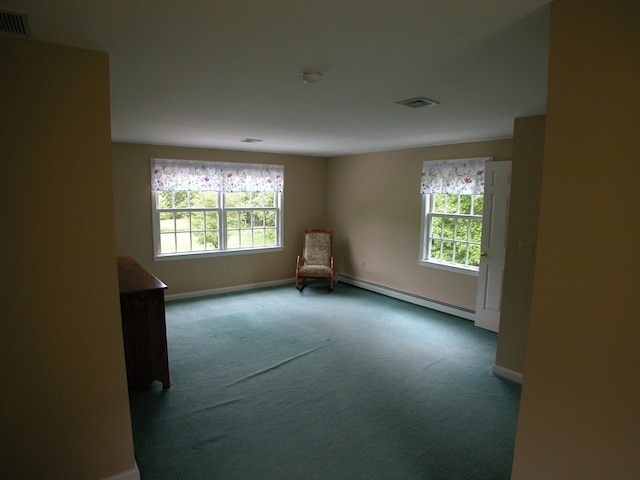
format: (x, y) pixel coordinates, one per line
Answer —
(316, 260)
(143, 324)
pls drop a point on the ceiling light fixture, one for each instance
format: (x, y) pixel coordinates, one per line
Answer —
(311, 76)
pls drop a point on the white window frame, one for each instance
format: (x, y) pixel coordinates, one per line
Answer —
(425, 235)
(222, 229)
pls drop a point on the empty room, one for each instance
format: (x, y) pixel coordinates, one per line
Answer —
(460, 168)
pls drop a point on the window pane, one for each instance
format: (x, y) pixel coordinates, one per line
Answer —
(182, 222)
(195, 199)
(166, 222)
(258, 219)
(439, 202)
(246, 199)
(452, 204)
(436, 227)
(197, 221)
(165, 200)
(233, 220)
(258, 237)
(210, 199)
(233, 239)
(212, 241)
(246, 238)
(447, 227)
(478, 204)
(245, 219)
(231, 199)
(434, 251)
(211, 219)
(447, 251)
(270, 218)
(183, 242)
(270, 236)
(167, 243)
(181, 199)
(465, 204)
(461, 253)
(476, 231)
(197, 241)
(474, 255)
(461, 229)
(269, 199)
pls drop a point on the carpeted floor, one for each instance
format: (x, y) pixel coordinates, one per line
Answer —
(277, 384)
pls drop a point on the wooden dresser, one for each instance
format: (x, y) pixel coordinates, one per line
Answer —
(143, 324)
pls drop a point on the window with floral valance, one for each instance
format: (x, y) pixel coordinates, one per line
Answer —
(453, 200)
(189, 175)
(204, 208)
(465, 176)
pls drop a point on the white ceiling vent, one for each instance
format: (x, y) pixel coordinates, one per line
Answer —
(418, 102)
(14, 23)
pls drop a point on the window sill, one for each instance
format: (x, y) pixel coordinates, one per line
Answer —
(473, 271)
(222, 253)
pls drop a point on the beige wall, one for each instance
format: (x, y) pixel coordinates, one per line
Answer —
(304, 207)
(524, 207)
(580, 415)
(374, 207)
(64, 404)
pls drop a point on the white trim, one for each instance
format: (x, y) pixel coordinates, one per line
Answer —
(449, 267)
(214, 253)
(236, 288)
(508, 374)
(409, 297)
(133, 474)
(356, 282)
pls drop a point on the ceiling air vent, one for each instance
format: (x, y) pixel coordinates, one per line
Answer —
(14, 23)
(418, 102)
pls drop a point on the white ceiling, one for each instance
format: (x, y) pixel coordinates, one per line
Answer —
(208, 73)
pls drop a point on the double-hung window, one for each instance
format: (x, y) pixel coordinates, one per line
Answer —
(452, 203)
(208, 208)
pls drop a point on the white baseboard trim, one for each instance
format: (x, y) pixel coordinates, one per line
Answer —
(236, 288)
(508, 374)
(408, 297)
(133, 474)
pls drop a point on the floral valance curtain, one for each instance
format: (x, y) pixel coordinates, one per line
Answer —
(175, 175)
(465, 176)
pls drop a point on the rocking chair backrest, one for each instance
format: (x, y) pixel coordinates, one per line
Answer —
(317, 247)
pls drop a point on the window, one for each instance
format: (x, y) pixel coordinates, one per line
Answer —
(453, 200)
(206, 208)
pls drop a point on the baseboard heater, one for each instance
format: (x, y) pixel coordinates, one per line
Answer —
(408, 297)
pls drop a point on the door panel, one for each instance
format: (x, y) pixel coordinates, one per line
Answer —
(497, 190)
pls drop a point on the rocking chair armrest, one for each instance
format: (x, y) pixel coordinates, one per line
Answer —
(300, 260)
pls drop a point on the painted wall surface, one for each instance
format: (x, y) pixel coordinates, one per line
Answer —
(64, 406)
(579, 416)
(524, 210)
(304, 208)
(374, 207)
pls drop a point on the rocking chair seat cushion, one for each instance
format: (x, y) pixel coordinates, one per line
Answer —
(319, 269)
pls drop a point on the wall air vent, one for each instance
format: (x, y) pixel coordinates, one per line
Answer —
(14, 23)
(417, 102)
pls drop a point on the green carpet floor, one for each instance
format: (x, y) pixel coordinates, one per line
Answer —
(277, 384)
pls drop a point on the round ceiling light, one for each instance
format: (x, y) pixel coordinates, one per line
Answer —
(311, 76)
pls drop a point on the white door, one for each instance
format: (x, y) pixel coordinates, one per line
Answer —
(497, 188)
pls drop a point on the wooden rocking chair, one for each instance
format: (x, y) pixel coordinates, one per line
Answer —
(316, 260)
